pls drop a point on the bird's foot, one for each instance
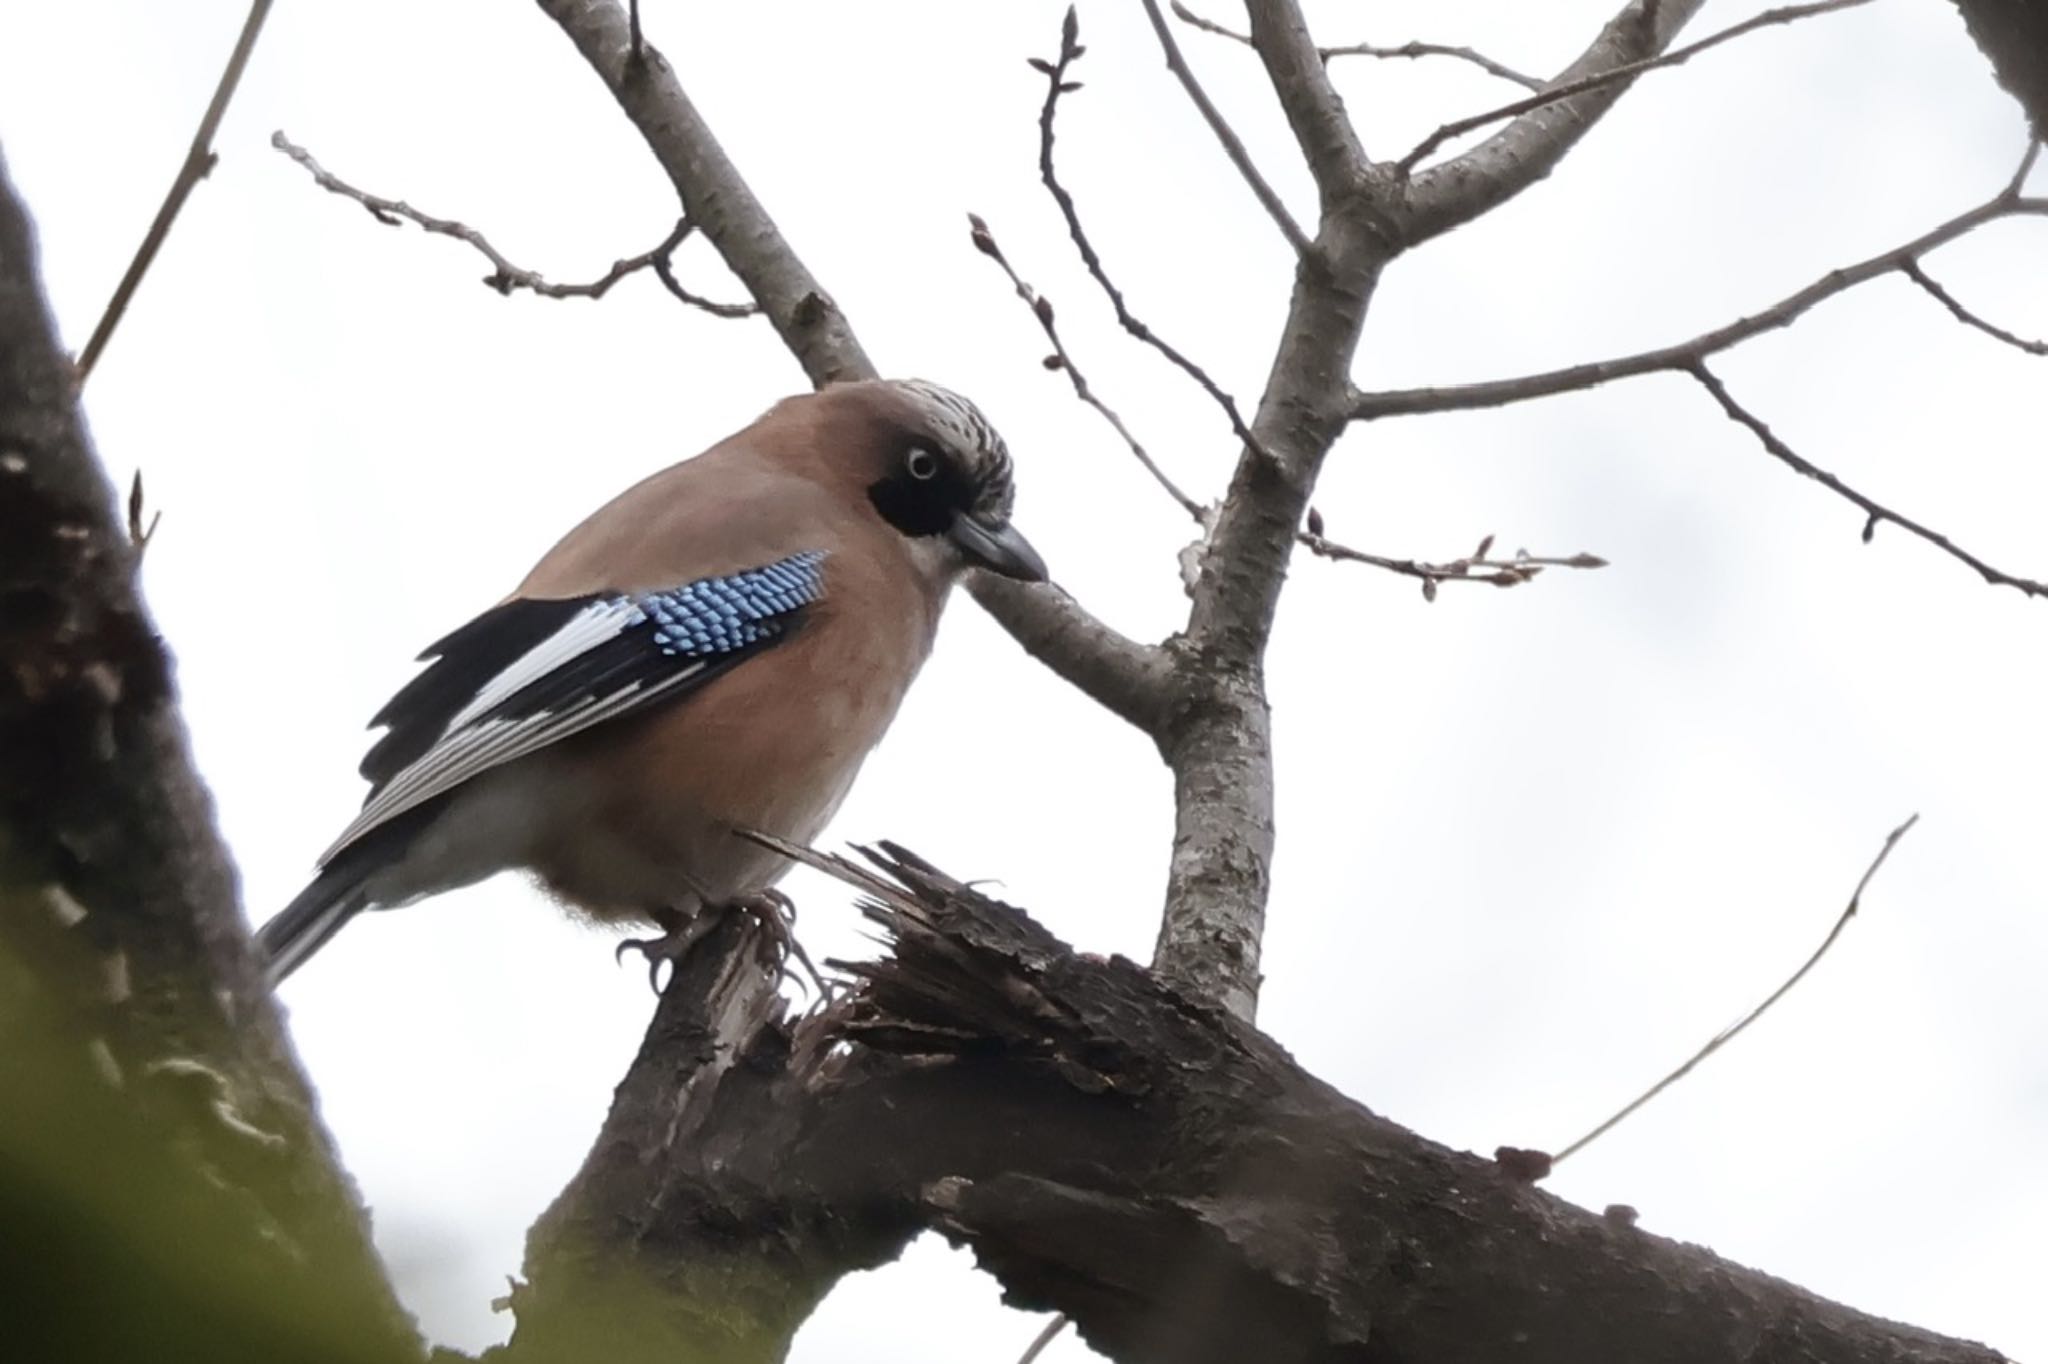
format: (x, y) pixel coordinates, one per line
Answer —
(776, 913)
(679, 936)
(771, 909)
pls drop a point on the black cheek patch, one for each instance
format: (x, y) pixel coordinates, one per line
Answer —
(919, 507)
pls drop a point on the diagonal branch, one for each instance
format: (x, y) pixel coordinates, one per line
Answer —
(1233, 147)
(1628, 71)
(1058, 83)
(1315, 111)
(1873, 510)
(1474, 182)
(1912, 270)
(1734, 1030)
(1500, 392)
(1061, 359)
(198, 163)
(505, 277)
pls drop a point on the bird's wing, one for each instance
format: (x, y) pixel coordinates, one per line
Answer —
(531, 672)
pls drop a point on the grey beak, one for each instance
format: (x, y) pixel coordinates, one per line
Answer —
(998, 547)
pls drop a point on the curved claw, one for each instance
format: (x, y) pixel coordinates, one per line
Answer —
(774, 911)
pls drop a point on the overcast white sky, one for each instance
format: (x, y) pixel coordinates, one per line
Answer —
(1535, 845)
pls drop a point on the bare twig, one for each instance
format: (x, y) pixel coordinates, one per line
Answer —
(1499, 392)
(1410, 49)
(1625, 72)
(1730, 1033)
(505, 277)
(198, 162)
(1476, 567)
(1911, 269)
(1044, 1338)
(1225, 134)
(1060, 359)
(1057, 83)
(1874, 511)
(1413, 49)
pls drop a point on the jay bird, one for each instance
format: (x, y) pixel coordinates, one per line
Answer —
(717, 648)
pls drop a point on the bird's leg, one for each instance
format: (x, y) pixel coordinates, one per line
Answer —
(679, 934)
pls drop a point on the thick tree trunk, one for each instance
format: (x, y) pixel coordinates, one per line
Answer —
(158, 1145)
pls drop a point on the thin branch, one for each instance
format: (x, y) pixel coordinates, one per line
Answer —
(1057, 83)
(1625, 72)
(1500, 392)
(1061, 359)
(1411, 49)
(1044, 1338)
(1462, 187)
(198, 162)
(1874, 511)
(1912, 271)
(1730, 1033)
(1225, 134)
(1476, 567)
(505, 277)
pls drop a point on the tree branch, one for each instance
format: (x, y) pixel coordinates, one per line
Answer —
(1225, 134)
(1102, 1143)
(1500, 392)
(1058, 83)
(1736, 1029)
(1474, 182)
(198, 163)
(1911, 269)
(1874, 511)
(1315, 111)
(1410, 50)
(1613, 75)
(714, 195)
(505, 276)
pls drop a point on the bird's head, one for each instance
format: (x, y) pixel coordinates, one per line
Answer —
(934, 468)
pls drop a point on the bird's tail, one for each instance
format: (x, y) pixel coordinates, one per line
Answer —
(303, 927)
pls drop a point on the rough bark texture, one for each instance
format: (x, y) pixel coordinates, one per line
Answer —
(2014, 35)
(1159, 1171)
(118, 901)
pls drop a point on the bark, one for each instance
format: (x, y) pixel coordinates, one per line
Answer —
(1156, 1169)
(2014, 35)
(148, 1081)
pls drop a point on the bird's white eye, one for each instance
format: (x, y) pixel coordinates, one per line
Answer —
(922, 463)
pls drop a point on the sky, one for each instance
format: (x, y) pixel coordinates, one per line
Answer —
(1535, 846)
